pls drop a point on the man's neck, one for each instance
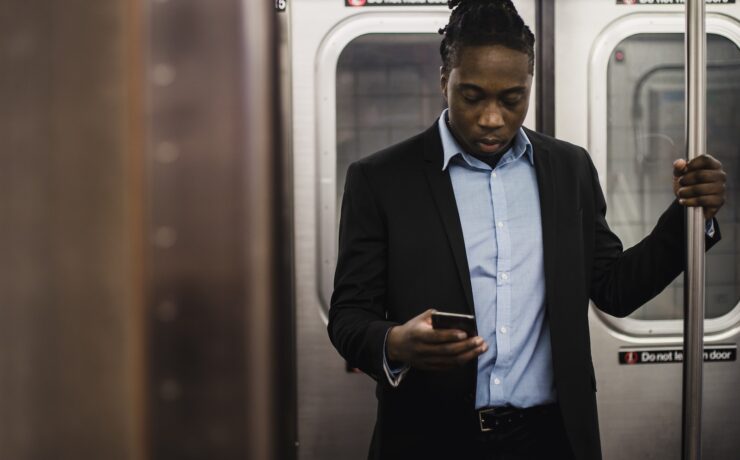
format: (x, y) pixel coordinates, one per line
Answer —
(491, 159)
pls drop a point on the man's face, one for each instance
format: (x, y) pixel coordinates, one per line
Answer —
(487, 93)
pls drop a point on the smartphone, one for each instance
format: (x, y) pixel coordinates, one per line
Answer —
(444, 320)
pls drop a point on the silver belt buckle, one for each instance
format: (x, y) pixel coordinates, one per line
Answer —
(480, 418)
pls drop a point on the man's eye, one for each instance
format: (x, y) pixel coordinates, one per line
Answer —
(471, 99)
(512, 101)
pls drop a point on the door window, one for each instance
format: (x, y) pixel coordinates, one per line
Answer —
(645, 133)
(387, 90)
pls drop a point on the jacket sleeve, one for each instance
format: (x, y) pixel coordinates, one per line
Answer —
(357, 316)
(622, 281)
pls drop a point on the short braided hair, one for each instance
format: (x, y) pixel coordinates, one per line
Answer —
(484, 22)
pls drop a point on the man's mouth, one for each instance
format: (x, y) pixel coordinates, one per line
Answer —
(489, 145)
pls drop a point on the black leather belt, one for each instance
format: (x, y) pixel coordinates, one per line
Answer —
(504, 419)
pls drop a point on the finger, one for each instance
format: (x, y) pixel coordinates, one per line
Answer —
(472, 354)
(434, 336)
(679, 167)
(450, 349)
(706, 202)
(459, 359)
(703, 162)
(699, 190)
(703, 176)
(451, 362)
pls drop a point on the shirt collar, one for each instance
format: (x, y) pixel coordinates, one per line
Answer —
(451, 148)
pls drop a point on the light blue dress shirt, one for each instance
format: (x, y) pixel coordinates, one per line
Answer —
(500, 215)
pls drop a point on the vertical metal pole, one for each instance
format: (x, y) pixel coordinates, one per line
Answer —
(270, 314)
(545, 66)
(696, 45)
(260, 162)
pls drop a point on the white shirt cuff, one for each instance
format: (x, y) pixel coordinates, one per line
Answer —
(394, 376)
(709, 228)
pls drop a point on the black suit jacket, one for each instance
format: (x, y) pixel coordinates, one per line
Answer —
(401, 251)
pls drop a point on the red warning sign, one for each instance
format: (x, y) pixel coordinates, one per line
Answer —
(630, 357)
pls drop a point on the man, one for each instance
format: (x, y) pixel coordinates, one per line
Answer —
(478, 215)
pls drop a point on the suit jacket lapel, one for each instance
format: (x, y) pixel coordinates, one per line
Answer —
(546, 182)
(444, 197)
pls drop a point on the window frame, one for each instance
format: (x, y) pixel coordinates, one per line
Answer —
(628, 329)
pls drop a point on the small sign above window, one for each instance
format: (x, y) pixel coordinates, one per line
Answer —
(670, 2)
(356, 3)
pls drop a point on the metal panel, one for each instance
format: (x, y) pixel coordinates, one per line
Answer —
(639, 406)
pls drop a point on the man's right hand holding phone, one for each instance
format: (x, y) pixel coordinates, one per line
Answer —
(419, 345)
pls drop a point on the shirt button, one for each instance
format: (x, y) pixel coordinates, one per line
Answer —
(504, 276)
(504, 330)
(500, 224)
(496, 381)
(494, 174)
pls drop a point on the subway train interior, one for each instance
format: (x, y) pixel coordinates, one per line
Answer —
(171, 182)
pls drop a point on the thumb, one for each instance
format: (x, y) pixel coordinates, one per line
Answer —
(427, 315)
(679, 167)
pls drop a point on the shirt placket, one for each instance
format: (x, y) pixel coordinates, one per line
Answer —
(498, 385)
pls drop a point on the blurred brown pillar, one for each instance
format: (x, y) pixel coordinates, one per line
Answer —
(220, 320)
(145, 290)
(271, 398)
(71, 324)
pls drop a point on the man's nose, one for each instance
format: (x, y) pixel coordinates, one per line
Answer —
(491, 118)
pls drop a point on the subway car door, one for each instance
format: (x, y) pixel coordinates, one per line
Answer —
(619, 91)
(363, 77)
